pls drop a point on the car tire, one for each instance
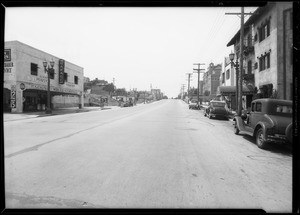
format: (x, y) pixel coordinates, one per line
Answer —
(236, 129)
(260, 142)
(209, 116)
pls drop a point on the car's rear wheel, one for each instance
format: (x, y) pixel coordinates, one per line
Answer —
(260, 142)
(236, 129)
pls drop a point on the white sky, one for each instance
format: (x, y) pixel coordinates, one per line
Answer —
(136, 46)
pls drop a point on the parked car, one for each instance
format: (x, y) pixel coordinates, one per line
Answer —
(216, 109)
(128, 104)
(269, 120)
(194, 105)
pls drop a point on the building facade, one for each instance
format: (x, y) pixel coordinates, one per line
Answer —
(268, 53)
(25, 81)
(211, 81)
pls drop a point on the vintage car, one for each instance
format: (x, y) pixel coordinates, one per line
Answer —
(194, 105)
(216, 109)
(269, 120)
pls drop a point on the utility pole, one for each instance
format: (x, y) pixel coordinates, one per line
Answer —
(189, 79)
(182, 92)
(198, 71)
(239, 94)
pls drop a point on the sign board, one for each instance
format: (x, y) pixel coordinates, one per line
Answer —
(13, 96)
(7, 54)
(61, 71)
(22, 86)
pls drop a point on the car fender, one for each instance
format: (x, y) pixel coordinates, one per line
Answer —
(239, 122)
(264, 126)
(289, 132)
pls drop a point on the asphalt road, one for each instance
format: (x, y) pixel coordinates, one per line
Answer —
(158, 155)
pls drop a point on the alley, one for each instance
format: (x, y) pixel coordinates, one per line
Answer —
(158, 155)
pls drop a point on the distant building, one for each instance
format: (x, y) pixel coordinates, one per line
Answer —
(211, 80)
(86, 79)
(25, 81)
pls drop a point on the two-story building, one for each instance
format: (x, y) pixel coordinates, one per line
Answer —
(268, 55)
(25, 80)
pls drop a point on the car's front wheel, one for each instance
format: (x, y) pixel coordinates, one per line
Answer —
(260, 142)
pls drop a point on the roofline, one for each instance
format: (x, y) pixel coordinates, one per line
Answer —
(24, 44)
(256, 14)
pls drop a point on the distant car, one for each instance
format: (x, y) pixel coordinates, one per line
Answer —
(269, 120)
(216, 109)
(128, 104)
(194, 105)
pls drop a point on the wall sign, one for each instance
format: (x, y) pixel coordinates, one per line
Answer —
(61, 71)
(7, 54)
(22, 86)
(13, 96)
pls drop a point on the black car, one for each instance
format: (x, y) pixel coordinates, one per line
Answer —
(216, 109)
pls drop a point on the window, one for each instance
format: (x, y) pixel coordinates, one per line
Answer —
(252, 107)
(51, 73)
(34, 69)
(264, 62)
(66, 77)
(75, 79)
(258, 107)
(264, 31)
(223, 77)
(249, 67)
(227, 74)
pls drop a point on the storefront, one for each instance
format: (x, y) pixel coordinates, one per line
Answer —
(228, 93)
(26, 82)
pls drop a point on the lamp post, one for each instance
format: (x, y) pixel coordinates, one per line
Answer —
(48, 69)
(236, 65)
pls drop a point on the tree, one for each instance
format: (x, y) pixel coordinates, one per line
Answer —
(121, 92)
(109, 88)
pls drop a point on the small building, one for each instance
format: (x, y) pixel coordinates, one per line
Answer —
(26, 82)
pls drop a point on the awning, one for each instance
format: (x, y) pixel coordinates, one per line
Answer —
(231, 90)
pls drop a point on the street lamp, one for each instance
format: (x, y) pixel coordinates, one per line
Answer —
(236, 65)
(48, 70)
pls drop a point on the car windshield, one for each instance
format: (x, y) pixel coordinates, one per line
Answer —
(218, 104)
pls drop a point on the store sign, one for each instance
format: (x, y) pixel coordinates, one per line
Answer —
(7, 54)
(61, 71)
(13, 96)
(8, 67)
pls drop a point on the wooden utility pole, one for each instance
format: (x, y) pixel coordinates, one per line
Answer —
(189, 79)
(198, 71)
(239, 93)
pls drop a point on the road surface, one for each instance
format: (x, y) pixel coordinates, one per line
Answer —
(158, 155)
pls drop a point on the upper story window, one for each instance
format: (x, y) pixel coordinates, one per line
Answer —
(264, 62)
(34, 69)
(75, 79)
(51, 73)
(223, 77)
(66, 77)
(249, 67)
(264, 30)
(227, 74)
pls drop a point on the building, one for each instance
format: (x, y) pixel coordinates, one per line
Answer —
(211, 81)
(25, 80)
(268, 53)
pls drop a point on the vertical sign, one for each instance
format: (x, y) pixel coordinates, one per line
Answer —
(61, 71)
(13, 96)
(7, 54)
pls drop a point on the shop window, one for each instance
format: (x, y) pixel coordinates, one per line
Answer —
(34, 69)
(75, 79)
(66, 77)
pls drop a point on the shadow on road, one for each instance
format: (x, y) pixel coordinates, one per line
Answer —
(272, 147)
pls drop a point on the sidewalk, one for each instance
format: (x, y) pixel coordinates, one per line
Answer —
(20, 116)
